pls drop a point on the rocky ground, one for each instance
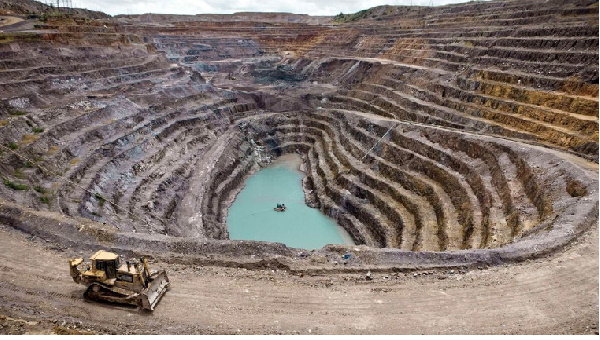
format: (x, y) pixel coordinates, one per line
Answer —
(557, 294)
(457, 145)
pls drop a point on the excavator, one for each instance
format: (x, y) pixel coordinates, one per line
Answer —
(108, 279)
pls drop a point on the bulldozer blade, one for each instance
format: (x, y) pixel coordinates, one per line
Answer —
(157, 287)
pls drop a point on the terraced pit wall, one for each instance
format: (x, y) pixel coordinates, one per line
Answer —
(442, 136)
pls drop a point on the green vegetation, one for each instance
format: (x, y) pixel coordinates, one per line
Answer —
(376, 13)
(19, 174)
(12, 146)
(6, 38)
(37, 129)
(100, 199)
(14, 186)
(342, 18)
(39, 189)
(45, 199)
(15, 112)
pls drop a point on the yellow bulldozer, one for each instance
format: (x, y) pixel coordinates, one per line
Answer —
(108, 279)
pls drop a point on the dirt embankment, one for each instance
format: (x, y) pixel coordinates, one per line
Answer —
(37, 296)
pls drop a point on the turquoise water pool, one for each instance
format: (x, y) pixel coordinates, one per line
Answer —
(251, 217)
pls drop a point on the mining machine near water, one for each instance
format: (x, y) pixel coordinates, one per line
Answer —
(110, 280)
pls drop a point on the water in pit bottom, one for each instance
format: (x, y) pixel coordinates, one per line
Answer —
(251, 217)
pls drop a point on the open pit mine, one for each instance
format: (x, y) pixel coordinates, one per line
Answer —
(457, 146)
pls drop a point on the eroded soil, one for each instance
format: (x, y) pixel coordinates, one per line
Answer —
(557, 294)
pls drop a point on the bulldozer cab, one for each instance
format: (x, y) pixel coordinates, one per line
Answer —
(106, 262)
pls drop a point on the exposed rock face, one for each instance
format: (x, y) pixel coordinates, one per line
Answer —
(468, 127)
(32, 7)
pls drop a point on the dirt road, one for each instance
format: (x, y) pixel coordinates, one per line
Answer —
(558, 294)
(8, 20)
(15, 24)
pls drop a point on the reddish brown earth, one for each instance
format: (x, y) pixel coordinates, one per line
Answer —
(457, 145)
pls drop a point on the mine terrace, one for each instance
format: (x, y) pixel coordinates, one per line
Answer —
(457, 141)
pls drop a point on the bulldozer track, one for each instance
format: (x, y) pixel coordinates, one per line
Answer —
(38, 293)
